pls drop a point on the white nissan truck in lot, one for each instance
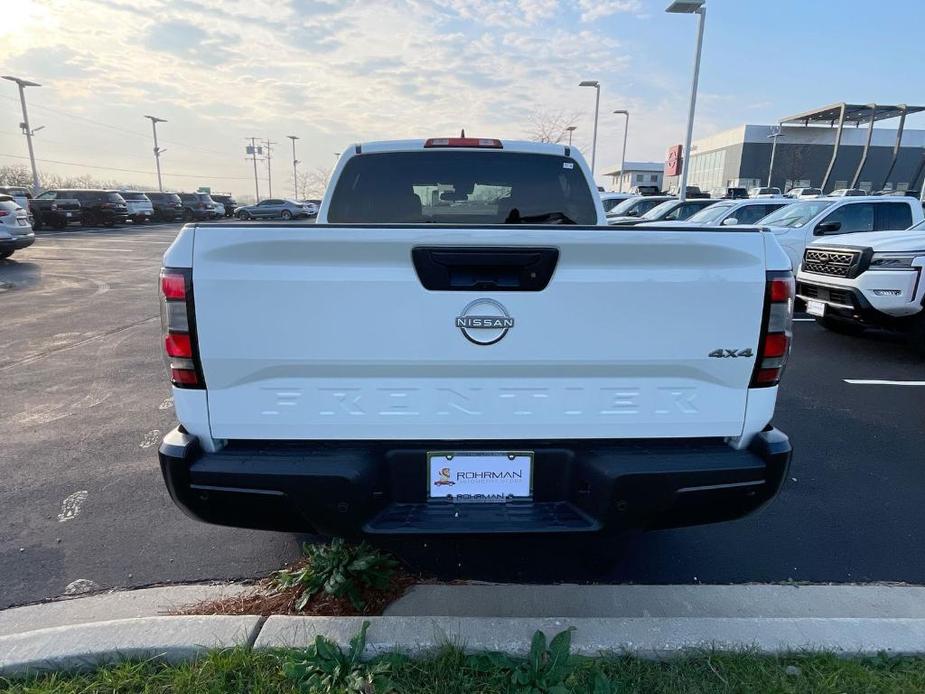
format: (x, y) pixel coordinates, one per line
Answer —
(461, 345)
(873, 279)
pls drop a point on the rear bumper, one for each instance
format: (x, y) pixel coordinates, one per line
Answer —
(348, 488)
(17, 242)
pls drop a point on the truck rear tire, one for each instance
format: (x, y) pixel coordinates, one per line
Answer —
(840, 325)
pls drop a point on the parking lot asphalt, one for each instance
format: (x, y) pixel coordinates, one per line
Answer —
(85, 401)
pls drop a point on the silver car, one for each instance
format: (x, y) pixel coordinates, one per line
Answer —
(276, 208)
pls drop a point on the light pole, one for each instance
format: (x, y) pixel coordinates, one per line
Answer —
(157, 150)
(36, 189)
(690, 7)
(295, 167)
(571, 129)
(597, 104)
(626, 130)
(775, 133)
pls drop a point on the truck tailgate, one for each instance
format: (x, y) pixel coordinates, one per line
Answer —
(328, 333)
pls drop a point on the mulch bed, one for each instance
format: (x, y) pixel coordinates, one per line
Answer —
(265, 600)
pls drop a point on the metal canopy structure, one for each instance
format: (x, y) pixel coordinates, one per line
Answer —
(836, 115)
(854, 113)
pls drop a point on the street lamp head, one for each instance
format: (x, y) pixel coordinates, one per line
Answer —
(293, 137)
(589, 83)
(155, 119)
(21, 82)
(622, 111)
(572, 128)
(685, 6)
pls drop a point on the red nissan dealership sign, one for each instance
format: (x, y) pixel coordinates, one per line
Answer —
(673, 161)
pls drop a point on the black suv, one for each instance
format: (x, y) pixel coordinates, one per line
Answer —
(167, 206)
(229, 202)
(197, 206)
(98, 207)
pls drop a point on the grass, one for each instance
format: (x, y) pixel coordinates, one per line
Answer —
(450, 671)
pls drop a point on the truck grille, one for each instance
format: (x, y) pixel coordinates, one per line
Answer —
(836, 296)
(831, 263)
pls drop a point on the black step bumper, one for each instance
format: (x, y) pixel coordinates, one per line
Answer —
(349, 488)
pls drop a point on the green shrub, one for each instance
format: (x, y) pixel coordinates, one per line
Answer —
(340, 570)
(326, 669)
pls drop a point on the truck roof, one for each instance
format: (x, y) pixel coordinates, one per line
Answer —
(523, 146)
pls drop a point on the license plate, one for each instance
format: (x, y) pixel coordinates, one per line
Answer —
(67, 214)
(22, 222)
(815, 308)
(480, 476)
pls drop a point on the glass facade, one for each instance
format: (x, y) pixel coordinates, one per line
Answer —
(707, 170)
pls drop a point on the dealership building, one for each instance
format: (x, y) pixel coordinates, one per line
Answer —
(832, 147)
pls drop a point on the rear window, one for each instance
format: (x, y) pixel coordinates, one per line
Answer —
(134, 196)
(458, 187)
(114, 197)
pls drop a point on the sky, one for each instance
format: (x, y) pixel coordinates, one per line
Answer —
(338, 72)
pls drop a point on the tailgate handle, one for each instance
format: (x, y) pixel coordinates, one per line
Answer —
(482, 269)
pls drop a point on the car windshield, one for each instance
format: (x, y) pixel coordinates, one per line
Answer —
(114, 197)
(795, 215)
(611, 203)
(634, 206)
(462, 187)
(710, 215)
(660, 210)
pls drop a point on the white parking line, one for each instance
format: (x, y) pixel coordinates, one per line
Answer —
(58, 249)
(803, 320)
(878, 382)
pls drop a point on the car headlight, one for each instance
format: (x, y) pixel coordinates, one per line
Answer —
(893, 261)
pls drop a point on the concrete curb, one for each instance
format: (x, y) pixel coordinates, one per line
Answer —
(647, 621)
(644, 637)
(83, 646)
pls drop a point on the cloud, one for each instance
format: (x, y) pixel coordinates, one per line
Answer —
(53, 63)
(185, 40)
(596, 9)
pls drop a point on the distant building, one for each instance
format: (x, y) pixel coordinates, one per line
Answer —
(740, 157)
(637, 173)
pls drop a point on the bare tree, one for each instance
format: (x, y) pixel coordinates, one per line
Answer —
(551, 126)
(15, 175)
(312, 184)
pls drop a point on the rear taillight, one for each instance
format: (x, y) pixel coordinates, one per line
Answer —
(4, 213)
(776, 330)
(481, 142)
(179, 328)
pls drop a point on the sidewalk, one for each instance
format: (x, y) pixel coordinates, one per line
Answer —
(649, 621)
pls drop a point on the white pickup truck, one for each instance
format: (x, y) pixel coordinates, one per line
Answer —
(461, 345)
(874, 279)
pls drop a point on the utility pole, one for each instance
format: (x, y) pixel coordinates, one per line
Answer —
(295, 167)
(36, 188)
(157, 150)
(253, 150)
(269, 146)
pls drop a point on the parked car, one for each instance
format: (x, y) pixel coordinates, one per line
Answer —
(228, 203)
(804, 193)
(167, 206)
(645, 190)
(139, 206)
(731, 213)
(636, 206)
(799, 223)
(97, 207)
(764, 192)
(276, 208)
(567, 380)
(20, 195)
(846, 192)
(873, 280)
(15, 231)
(611, 200)
(54, 209)
(667, 211)
(733, 194)
(197, 206)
